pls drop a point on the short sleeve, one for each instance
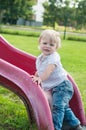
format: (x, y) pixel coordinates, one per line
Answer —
(54, 59)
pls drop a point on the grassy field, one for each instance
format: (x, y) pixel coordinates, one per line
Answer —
(13, 114)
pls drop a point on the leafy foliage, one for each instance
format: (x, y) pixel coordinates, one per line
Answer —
(81, 14)
(65, 13)
(13, 9)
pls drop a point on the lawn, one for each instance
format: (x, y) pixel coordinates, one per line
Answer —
(13, 115)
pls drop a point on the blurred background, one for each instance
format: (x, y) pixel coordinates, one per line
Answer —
(50, 13)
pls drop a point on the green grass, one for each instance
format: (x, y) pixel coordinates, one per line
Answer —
(13, 114)
(27, 44)
(74, 60)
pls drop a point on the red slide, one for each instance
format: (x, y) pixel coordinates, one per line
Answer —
(16, 67)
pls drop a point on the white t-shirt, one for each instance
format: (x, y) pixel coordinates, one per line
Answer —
(57, 76)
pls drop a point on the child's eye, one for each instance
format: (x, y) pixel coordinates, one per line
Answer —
(44, 43)
(51, 44)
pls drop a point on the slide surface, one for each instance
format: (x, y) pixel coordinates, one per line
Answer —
(15, 69)
(20, 82)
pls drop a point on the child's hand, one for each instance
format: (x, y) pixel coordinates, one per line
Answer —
(36, 79)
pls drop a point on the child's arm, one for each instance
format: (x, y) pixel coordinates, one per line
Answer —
(45, 75)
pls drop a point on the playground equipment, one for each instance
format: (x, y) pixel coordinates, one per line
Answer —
(16, 67)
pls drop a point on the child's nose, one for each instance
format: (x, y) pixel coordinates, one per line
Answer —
(48, 45)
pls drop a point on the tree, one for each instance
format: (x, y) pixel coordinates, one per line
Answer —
(57, 12)
(49, 14)
(3, 7)
(11, 10)
(81, 14)
(65, 12)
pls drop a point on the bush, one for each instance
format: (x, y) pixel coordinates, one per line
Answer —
(77, 38)
(35, 33)
(19, 32)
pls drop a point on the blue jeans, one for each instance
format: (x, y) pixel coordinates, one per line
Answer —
(62, 94)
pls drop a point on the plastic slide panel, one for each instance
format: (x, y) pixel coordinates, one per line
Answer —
(26, 63)
(23, 86)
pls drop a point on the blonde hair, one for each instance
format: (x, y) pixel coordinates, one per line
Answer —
(53, 35)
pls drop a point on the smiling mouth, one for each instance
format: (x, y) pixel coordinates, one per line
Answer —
(46, 50)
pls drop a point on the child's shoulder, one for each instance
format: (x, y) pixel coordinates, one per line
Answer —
(54, 55)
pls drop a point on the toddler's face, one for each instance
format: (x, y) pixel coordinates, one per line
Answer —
(47, 47)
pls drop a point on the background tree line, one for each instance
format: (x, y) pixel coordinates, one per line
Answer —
(63, 12)
(67, 13)
(11, 10)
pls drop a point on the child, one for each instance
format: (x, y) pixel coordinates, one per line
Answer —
(52, 76)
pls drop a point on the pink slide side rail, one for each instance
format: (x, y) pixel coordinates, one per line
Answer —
(15, 70)
(16, 67)
(32, 94)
